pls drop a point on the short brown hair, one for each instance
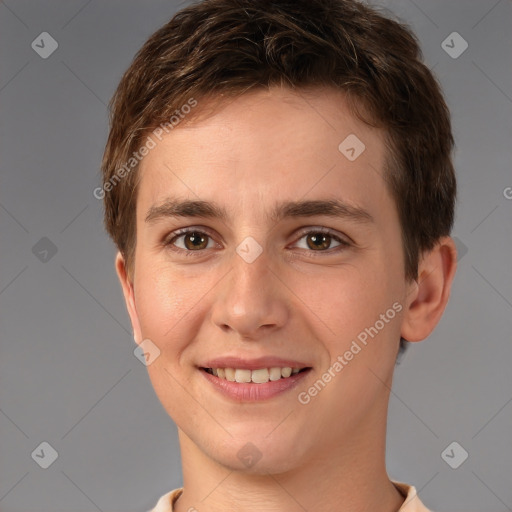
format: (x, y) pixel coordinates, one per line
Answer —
(228, 47)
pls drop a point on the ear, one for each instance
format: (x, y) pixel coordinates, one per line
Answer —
(429, 294)
(129, 296)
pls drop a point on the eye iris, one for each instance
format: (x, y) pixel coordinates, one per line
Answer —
(319, 241)
(196, 239)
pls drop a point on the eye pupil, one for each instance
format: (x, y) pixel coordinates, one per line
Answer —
(196, 239)
(320, 241)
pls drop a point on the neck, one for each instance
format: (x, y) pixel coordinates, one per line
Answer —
(339, 476)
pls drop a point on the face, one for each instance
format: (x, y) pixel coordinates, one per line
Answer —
(289, 257)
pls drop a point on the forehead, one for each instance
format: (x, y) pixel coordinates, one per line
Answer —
(267, 144)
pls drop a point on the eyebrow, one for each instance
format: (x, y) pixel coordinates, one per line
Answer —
(188, 208)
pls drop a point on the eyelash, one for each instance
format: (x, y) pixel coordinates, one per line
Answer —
(169, 242)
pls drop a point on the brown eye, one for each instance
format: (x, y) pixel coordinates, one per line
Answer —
(318, 241)
(189, 241)
(195, 240)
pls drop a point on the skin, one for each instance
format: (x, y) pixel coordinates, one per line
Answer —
(293, 301)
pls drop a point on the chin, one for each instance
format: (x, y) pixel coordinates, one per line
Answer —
(257, 455)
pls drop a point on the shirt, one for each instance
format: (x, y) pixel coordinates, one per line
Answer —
(411, 504)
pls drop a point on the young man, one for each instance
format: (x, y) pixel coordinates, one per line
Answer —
(278, 181)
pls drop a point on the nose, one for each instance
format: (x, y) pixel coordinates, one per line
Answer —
(251, 302)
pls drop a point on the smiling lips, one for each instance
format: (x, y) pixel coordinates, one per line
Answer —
(251, 380)
(259, 376)
(258, 370)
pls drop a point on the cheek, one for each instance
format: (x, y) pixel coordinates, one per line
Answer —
(348, 298)
(350, 303)
(163, 302)
(172, 305)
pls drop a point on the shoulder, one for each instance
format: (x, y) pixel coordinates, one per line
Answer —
(412, 503)
(166, 502)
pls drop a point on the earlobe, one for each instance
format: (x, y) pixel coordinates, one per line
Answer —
(429, 295)
(129, 296)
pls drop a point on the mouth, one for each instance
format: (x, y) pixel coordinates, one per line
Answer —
(256, 385)
(258, 376)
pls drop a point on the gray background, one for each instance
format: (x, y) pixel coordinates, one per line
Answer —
(68, 375)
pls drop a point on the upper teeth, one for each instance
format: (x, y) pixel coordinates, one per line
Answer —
(259, 376)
